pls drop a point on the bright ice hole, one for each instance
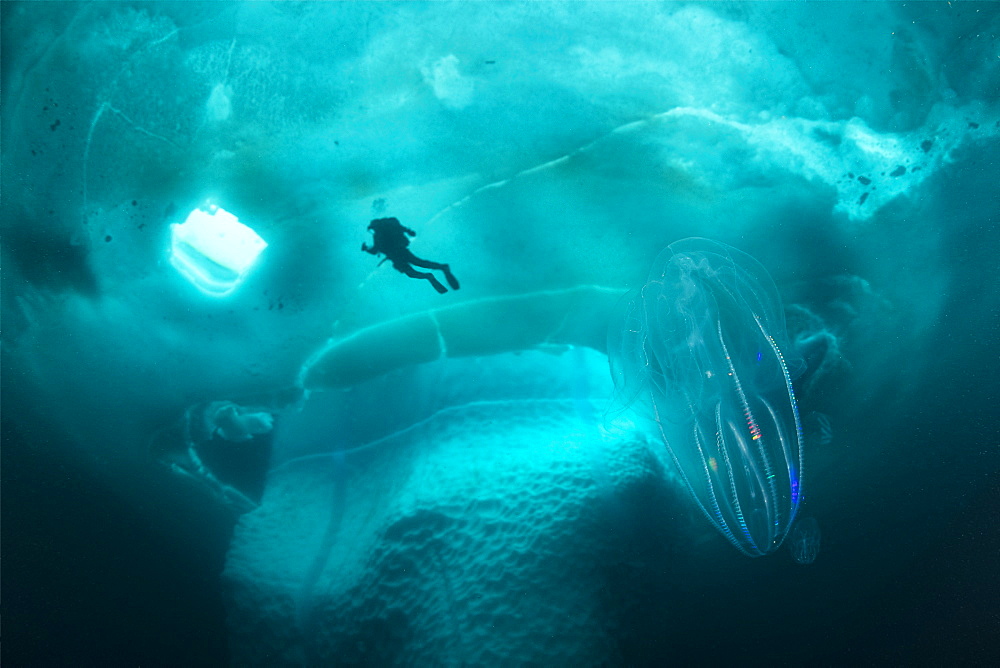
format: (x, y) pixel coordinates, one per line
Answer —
(214, 250)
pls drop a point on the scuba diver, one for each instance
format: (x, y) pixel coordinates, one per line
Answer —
(390, 240)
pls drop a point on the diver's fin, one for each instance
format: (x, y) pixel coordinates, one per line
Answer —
(437, 285)
(450, 277)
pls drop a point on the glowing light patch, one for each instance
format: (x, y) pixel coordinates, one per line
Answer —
(214, 250)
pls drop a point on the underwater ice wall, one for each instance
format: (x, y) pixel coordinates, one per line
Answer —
(465, 523)
(534, 146)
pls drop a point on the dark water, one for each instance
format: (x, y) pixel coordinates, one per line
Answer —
(89, 580)
(548, 153)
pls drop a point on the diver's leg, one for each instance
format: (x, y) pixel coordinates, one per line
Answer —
(427, 264)
(413, 273)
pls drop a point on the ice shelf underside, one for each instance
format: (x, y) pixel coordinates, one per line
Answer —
(575, 316)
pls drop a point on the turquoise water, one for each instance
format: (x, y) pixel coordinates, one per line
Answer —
(252, 443)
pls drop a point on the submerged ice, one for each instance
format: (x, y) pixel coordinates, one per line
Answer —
(214, 250)
(430, 470)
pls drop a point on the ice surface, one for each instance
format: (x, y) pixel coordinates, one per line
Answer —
(236, 424)
(214, 250)
(555, 320)
(456, 498)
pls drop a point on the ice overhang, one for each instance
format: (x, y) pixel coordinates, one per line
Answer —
(213, 250)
